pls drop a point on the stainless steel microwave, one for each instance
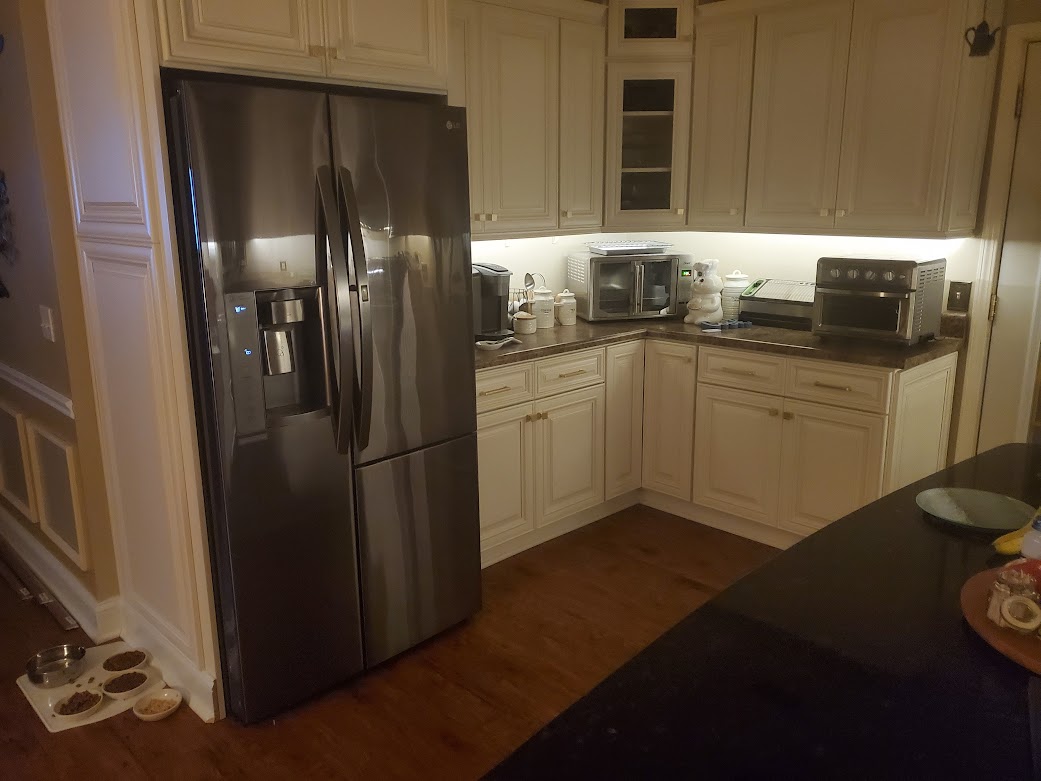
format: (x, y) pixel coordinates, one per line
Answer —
(629, 287)
(874, 298)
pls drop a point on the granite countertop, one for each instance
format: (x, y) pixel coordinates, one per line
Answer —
(780, 341)
(845, 657)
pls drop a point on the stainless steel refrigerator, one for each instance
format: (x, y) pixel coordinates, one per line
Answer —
(325, 257)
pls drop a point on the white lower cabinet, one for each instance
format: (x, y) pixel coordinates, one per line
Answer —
(670, 375)
(623, 435)
(831, 464)
(569, 442)
(506, 474)
(737, 452)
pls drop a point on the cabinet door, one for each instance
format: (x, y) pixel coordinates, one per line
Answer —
(623, 440)
(800, 76)
(464, 90)
(723, 56)
(648, 110)
(278, 36)
(900, 100)
(650, 29)
(921, 423)
(570, 453)
(670, 371)
(581, 125)
(831, 466)
(398, 42)
(505, 473)
(520, 58)
(737, 450)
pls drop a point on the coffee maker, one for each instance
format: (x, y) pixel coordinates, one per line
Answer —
(491, 297)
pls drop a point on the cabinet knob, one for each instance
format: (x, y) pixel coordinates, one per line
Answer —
(544, 415)
(840, 213)
(479, 217)
(529, 418)
(825, 212)
(567, 213)
(680, 211)
(493, 217)
(774, 413)
(734, 212)
(789, 415)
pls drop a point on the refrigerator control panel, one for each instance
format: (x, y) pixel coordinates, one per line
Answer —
(247, 371)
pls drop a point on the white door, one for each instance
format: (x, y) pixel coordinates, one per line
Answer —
(581, 125)
(670, 372)
(832, 463)
(465, 90)
(648, 138)
(1010, 409)
(394, 42)
(506, 473)
(623, 439)
(277, 36)
(723, 55)
(520, 59)
(569, 453)
(796, 131)
(737, 452)
(900, 102)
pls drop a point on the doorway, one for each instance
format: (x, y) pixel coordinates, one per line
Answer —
(1012, 392)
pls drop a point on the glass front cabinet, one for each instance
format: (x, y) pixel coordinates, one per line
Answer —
(650, 28)
(648, 109)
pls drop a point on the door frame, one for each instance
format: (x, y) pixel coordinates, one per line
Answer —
(1003, 148)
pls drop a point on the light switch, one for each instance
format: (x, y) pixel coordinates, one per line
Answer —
(47, 323)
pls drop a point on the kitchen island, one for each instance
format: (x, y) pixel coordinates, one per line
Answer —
(845, 657)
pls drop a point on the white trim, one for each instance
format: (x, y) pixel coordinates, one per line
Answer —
(27, 507)
(1003, 148)
(81, 553)
(198, 687)
(751, 530)
(37, 390)
(102, 621)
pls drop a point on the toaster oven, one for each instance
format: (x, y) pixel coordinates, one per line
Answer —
(630, 287)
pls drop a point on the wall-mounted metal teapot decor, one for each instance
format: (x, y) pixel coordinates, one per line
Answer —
(7, 248)
(981, 39)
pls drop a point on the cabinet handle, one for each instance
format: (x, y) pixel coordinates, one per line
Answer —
(734, 212)
(493, 217)
(575, 373)
(829, 386)
(825, 212)
(789, 415)
(479, 217)
(529, 418)
(840, 213)
(493, 391)
(680, 212)
(567, 214)
(541, 416)
(774, 412)
(741, 372)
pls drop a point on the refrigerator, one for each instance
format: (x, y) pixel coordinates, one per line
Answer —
(325, 258)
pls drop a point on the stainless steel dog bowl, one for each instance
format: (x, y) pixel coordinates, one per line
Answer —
(55, 666)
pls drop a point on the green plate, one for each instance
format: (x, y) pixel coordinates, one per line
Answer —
(974, 509)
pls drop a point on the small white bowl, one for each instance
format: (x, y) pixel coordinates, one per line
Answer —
(165, 695)
(127, 694)
(82, 714)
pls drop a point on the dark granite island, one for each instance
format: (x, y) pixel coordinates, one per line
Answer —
(845, 657)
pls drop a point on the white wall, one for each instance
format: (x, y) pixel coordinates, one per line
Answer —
(757, 254)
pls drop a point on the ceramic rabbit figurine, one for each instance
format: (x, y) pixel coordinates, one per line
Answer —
(706, 303)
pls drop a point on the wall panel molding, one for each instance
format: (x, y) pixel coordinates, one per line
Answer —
(33, 387)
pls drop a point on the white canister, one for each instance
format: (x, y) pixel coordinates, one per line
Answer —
(733, 285)
(524, 323)
(567, 307)
(542, 307)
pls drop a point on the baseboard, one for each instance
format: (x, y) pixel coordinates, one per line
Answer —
(504, 550)
(752, 530)
(198, 688)
(102, 621)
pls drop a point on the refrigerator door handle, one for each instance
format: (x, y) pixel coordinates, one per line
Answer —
(359, 278)
(332, 258)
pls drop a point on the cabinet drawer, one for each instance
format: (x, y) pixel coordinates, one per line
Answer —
(736, 369)
(508, 385)
(839, 384)
(575, 370)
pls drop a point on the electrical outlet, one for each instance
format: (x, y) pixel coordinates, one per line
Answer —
(47, 323)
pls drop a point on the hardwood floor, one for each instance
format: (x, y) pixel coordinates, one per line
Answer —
(556, 620)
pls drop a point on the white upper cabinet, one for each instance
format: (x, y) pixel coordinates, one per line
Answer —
(723, 56)
(389, 41)
(648, 136)
(650, 28)
(581, 125)
(900, 102)
(800, 74)
(464, 90)
(268, 35)
(519, 64)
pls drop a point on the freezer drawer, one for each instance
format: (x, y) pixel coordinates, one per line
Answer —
(420, 545)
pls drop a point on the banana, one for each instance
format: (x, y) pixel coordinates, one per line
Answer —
(1011, 543)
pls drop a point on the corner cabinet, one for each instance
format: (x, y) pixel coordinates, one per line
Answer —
(623, 438)
(394, 43)
(670, 376)
(648, 136)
